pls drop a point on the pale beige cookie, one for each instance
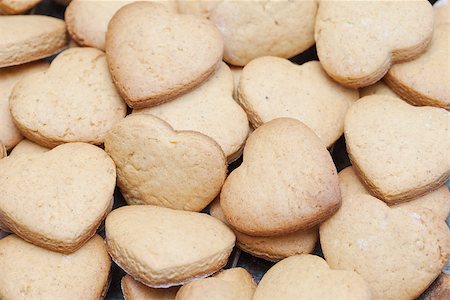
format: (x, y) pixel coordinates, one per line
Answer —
(14, 7)
(439, 290)
(28, 38)
(310, 277)
(438, 201)
(74, 101)
(287, 182)
(399, 151)
(87, 20)
(161, 247)
(253, 29)
(211, 110)
(64, 195)
(160, 166)
(399, 252)
(272, 248)
(9, 134)
(31, 272)
(379, 88)
(272, 87)
(26, 147)
(155, 55)
(358, 41)
(236, 72)
(230, 284)
(425, 80)
(134, 290)
(441, 12)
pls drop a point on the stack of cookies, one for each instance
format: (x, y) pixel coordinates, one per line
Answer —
(194, 114)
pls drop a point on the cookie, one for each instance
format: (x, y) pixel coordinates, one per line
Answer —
(273, 248)
(358, 41)
(26, 147)
(272, 87)
(28, 38)
(74, 101)
(134, 290)
(399, 151)
(2, 151)
(399, 252)
(148, 48)
(234, 283)
(87, 21)
(31, 272)
(439, 290)
(379, 88)
(441, 12)
(438, 201)
(57, 216)
(255, 29)
(236, 72)
(425, 80)
(309, 277)
(287, 182)
(211, 110)
(160, 166)
(189, 245)
(14, 7)
(9, 134)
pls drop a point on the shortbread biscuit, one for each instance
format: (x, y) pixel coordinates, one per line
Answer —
(31, 272)
(425, 80)
(439, 290)
(272, 87)
(160, 166)
(26, 147)
(236, 72)
(358, 41)
(28, 38)
(74, 101)
(134, 290)
(161, 247)
(211, 110)
(155, 55)
(64, 195)
(272, 248)
(399, 252)
(379, 88)
(9, 134)
(399, 151)
(310, 277)
(287, 182)
(441, 12)
(14, 7)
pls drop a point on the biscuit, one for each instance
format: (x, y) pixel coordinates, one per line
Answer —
(31, 272)
(439, 290)
(26, 147)
(399, 151)
(272, 87)
(425, 80)
(28, 38)
(160, 166)
(134, 290)
(161, 247)
(236, 72)
(87, 20)
(211, 110)
(379, 88)
(272, 248)
(234, 283)
(438, 201)
(9, 134)
(155, 55)
(74, 101)
(48, 209)
(358, 41)
(2, 151)
(287, 182)
(399, 252)
(441, 12)
(253, 29)
(14, 7)
(310, 277)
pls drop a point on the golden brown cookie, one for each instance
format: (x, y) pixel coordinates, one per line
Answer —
(134, 290)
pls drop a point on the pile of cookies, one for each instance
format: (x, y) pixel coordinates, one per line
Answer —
(215, 140)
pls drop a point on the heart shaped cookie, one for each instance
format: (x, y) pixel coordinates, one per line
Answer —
(397, 251)
(29, 38)
(272, 87)
(74, 101)
(309, 277)
(287, 181)
(26, 147)
(189, 245)
(211, 110)
(379, 88)
(134, 290)
(358, 41)
(13, 7)
(66, 193)
(398, 150)
(155, 55)
(160, 166)
(83, 274)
